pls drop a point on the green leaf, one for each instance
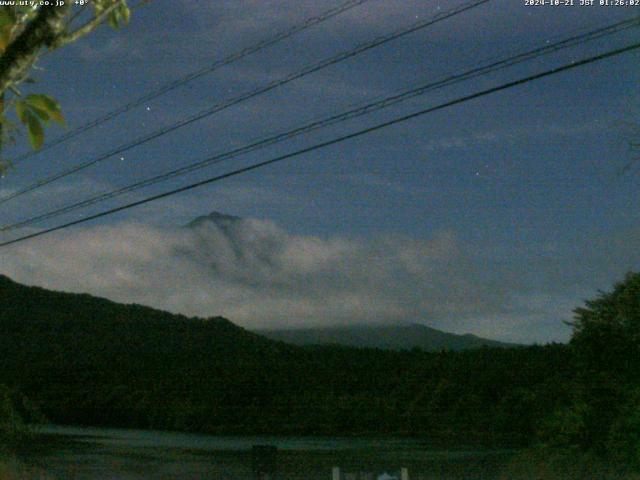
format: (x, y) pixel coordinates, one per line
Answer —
(125, 13)
(100, 5)
(45, 106)
(120, 15)
(34, 127)
(7, 17)
(57, 117)
(41, 114)
(5, 36)
(21, 110)
(114, 19)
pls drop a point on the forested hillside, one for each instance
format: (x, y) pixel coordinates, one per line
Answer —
(85, 360)
(91, 361)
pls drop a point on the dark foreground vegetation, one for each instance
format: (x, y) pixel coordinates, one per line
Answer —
(84, 360)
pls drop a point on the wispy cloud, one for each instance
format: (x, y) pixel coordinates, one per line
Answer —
(259, 275)
(513, 134)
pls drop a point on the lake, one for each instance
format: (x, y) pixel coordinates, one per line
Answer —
(72, 453)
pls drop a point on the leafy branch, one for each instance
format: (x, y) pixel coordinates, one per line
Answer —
(27, 33)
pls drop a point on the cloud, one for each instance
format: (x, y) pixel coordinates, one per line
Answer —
(515, 134)
(257, 274)
(110, 50)
(47, 198)
(261, 276)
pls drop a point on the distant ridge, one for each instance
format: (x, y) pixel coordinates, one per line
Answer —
(387, 337)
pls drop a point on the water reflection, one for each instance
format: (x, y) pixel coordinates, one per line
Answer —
(101, 454)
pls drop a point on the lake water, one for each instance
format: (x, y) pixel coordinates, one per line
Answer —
(69, 453)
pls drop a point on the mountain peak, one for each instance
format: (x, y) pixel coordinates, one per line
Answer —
(219, 218)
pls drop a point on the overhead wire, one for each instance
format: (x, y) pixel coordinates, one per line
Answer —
(381, 40)
(178, 82)
(340, 139)
(344, 116)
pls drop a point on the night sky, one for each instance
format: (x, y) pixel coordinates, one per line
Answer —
(496, 217)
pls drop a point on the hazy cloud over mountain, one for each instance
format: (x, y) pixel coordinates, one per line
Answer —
(261, 276)
(258, 274)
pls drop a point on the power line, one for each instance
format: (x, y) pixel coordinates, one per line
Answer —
(236, 100)
(172, 85)
(334, 141)
(350, 114)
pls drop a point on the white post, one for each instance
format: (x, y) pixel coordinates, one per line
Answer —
(336, 473)
(404, 474)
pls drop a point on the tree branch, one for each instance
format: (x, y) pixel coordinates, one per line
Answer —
(87, 28)
(20, 55)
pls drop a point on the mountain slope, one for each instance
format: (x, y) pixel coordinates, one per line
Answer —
(388, 337)
(89, 361)
(22, 305)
